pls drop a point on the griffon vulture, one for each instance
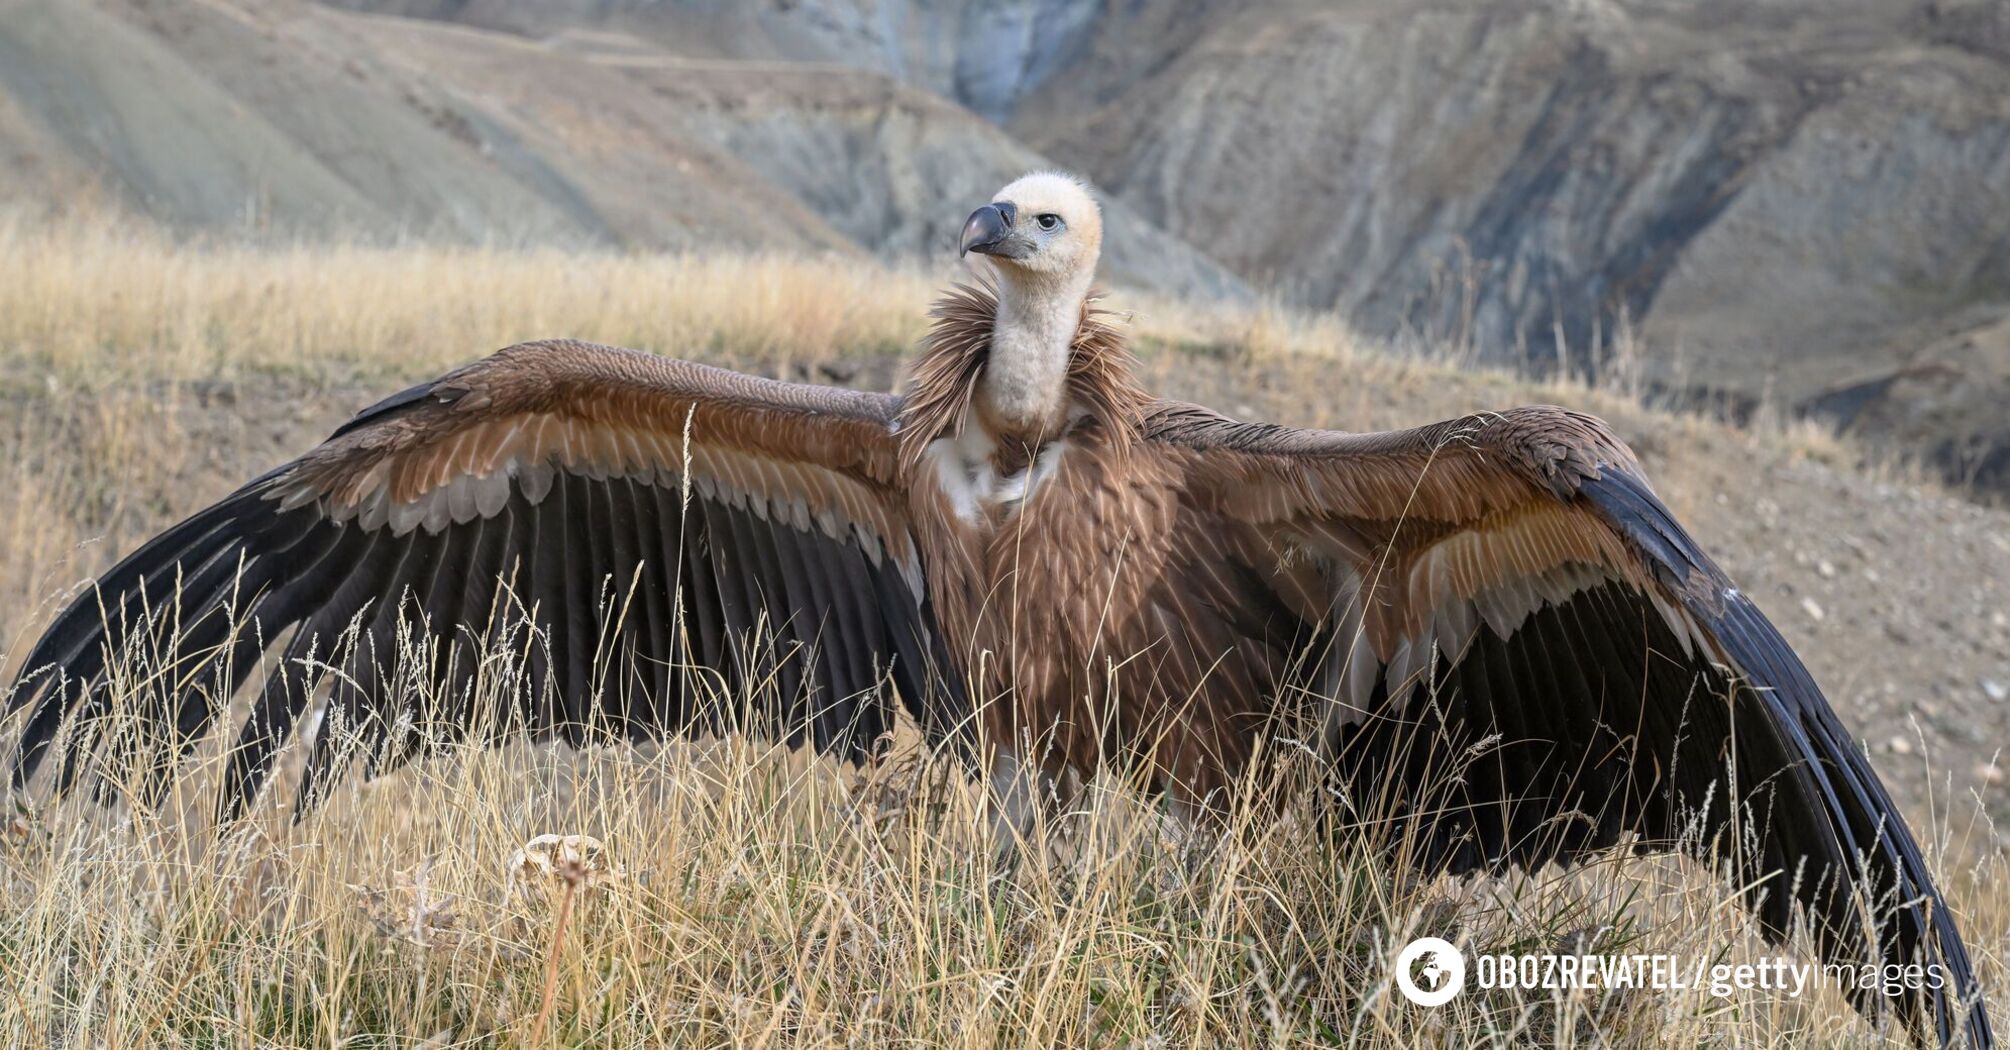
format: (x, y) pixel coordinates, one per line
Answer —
(1054, 572)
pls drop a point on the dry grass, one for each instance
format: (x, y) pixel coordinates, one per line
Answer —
(745, 896)
(731, 893)
(112, 303)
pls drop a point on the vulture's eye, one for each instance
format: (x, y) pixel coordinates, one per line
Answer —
(1048, 221)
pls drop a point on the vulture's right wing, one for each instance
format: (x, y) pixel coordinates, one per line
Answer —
(659, 545)
(1525, 658)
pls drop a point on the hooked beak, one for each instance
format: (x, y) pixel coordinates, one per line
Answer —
(988, 231)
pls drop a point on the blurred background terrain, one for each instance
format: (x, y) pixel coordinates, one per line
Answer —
(1789, 204)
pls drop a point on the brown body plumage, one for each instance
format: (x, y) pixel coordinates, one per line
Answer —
(1052, 572)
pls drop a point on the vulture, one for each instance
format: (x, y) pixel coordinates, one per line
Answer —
(1504, 648)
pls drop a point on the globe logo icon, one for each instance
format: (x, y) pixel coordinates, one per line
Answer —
(1430, 971)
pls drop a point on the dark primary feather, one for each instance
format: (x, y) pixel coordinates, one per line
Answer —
(409, 396)
(1826, 764)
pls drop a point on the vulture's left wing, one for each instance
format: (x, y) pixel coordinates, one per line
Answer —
(657, 545)
(1523, 657)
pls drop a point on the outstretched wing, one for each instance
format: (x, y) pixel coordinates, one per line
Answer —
(660, 545)
(1507, 612)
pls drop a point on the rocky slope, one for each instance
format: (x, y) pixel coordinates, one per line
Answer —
(1784, 199)
(982, 54)
(289, 118)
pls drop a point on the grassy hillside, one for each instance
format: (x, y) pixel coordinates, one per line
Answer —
(749, 897)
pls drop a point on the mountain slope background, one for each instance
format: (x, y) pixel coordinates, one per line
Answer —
(1781, 203)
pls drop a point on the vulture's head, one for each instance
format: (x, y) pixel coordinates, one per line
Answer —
(1044, 224)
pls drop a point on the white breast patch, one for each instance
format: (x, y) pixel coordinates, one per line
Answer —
(976, 491)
